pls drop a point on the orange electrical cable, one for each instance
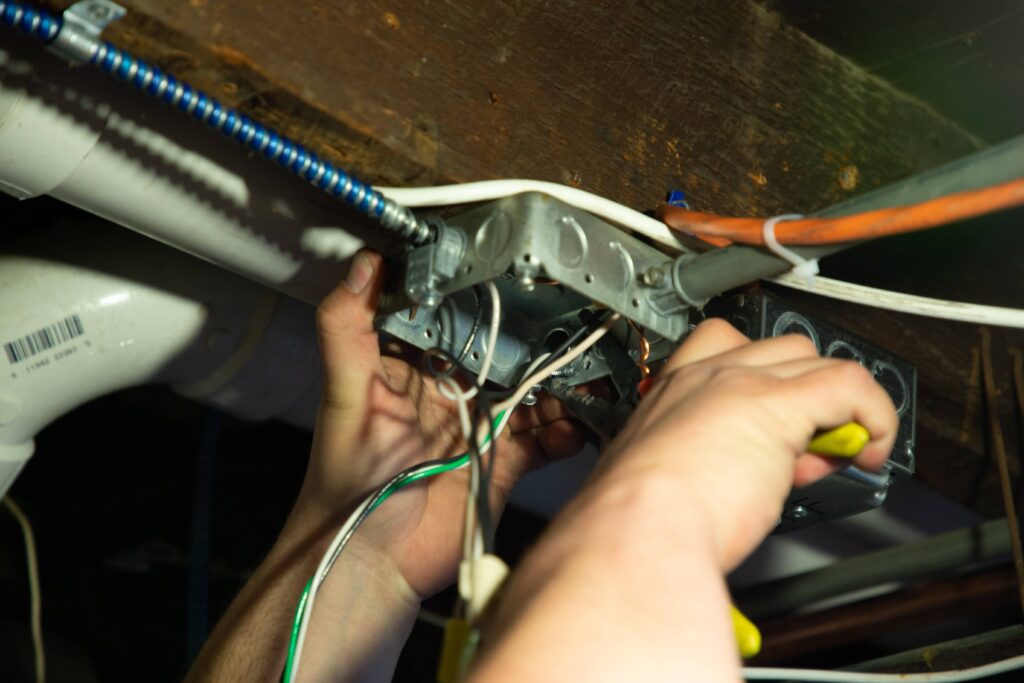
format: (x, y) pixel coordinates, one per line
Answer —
(720, 230)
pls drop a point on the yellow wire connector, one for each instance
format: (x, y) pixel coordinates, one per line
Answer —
(846, 441)
(748, 638)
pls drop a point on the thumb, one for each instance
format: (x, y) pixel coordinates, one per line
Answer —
(348, 341)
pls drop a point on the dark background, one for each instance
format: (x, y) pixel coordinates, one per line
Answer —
(124, 490)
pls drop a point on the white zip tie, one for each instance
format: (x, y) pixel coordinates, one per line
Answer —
(803, 268)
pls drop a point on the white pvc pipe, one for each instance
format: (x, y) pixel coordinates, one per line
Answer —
(95, 143)
(91, 309)
(71, 334)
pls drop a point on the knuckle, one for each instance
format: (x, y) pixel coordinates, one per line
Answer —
(855, 374)
(719, 328)
(683, 376)
(325, 315)
(738, 379)
(801, 344)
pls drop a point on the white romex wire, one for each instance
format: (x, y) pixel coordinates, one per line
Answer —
(907, 303)
(821, 676)
(557, 365)
(486, 190)
(450, 390)
(447, 195)
(318, 577)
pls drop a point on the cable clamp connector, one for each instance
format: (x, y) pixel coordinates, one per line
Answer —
(804, 268)
(82, 24)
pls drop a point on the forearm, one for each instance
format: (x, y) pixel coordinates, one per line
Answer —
(614, 602)
(361, 620)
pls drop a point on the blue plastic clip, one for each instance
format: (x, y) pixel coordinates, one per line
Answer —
(677, 198)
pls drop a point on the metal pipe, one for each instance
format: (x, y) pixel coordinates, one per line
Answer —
(913, 607)
(699, 278)
(927, 557)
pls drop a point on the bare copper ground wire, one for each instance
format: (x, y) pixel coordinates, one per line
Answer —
(999, 446)
(643, 350)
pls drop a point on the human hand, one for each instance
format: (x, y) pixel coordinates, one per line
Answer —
(723, 432)
(380, 414)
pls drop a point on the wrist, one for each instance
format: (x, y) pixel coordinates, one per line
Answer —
(693, 500)
(364, 610)
(632, 511)
(618, 557)
(308, 534)
(635, 530)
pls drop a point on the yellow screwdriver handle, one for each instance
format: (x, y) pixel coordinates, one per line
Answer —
(846, 441)
(748, 638)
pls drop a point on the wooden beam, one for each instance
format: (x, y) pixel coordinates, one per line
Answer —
(723, 100)
(746, 114)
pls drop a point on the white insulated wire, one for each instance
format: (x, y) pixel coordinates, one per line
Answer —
(446, 388)
(486, 190)
(558, 364)
(492, 335)
(318, 578)
(907, 303)
(36, 598)
(822, 676)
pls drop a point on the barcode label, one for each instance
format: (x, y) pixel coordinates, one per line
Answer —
(44, 339)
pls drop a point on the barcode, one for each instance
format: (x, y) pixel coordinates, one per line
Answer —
(44, 339)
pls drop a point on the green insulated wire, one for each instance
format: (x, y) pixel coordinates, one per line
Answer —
(386, 493)
(295, 631)
(418, 476)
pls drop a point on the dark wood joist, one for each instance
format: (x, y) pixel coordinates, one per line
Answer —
(625, 99)
(723, 100)
(977, 261)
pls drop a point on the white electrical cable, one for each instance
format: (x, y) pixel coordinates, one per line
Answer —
(318, 578)
(486, 190)
(36, 598)
(446, 195)
(822, 676)
(445, 388)
(492, 335)
(908, 303)
(557, 365)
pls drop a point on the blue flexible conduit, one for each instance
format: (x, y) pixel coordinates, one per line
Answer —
(254, 136)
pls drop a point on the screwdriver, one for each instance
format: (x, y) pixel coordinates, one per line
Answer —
(845, 441)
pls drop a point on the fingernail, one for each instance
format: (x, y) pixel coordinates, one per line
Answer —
(359, 273)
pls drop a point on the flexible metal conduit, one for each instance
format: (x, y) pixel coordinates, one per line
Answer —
(201, 107)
